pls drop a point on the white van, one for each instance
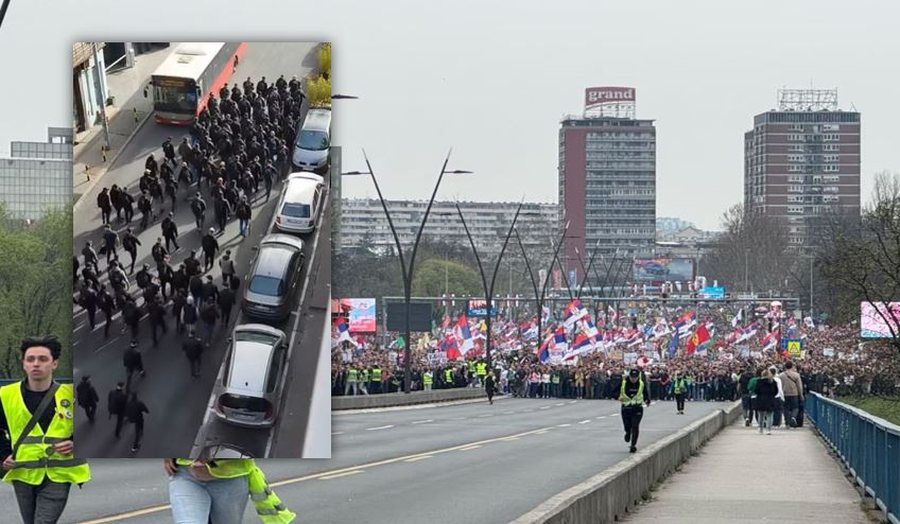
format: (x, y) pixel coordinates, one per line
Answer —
(313, 140)
(299, 204)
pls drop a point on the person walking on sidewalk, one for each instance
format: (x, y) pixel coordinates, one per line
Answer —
(766, 390)
(104, 202)
(792, 385)
(633, 394)
(39, 457)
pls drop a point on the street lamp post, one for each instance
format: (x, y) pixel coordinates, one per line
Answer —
(489, 289)
(406, 269)
(539, 295)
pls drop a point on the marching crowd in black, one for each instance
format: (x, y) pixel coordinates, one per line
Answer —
(239, 148)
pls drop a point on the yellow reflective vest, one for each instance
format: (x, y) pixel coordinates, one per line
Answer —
(638, 397)
(35, 458)
(428, 378)
(268, 506)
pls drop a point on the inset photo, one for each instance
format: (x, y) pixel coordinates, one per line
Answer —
(202, 249)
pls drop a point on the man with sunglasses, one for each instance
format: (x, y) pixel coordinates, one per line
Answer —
(37, 413)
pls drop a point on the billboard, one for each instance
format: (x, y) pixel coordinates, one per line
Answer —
(598, 96)
(872, 322)
(712, 293)
(362, 314)
(419, 316)
(478, 308)
(659, 270)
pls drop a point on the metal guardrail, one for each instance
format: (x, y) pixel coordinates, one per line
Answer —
(868, 445)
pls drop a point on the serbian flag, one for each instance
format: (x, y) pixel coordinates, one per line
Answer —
(464, 339)
(612, 314)
(445, 322)
(343, 332)
(448, 344)
(543, 352)
(770, 341)
(574, 312)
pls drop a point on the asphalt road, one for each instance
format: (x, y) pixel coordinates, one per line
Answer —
(177, 403)
(466, 463)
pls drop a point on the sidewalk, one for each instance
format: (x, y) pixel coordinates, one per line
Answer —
(742, 476)
(126, 116)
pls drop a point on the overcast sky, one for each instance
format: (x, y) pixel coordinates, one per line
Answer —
(493, 82)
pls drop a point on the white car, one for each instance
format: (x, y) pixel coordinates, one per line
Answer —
(299, 204)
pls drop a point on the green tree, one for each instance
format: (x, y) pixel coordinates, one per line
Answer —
(433, 274)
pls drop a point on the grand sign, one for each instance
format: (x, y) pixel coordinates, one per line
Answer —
(598, 96)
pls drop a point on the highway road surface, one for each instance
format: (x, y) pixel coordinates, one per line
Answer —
(177, 403)
(463, 463)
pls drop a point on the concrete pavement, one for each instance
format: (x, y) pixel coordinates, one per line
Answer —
(741, 476)
(125, 116)
(401, 464)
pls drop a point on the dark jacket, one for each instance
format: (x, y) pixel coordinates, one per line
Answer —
(766, 389)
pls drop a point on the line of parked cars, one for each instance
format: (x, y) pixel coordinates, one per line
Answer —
(253, 382)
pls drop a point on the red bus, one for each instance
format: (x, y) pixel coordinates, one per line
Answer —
(183, 82)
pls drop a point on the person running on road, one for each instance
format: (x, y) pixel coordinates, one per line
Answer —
(38, 409)
(489, 385)
(633, 394)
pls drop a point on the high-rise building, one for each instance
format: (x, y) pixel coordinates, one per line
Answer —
(802, 162)
(38, 176)
(607, 179)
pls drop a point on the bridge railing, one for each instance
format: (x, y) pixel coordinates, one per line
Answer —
(868, 445)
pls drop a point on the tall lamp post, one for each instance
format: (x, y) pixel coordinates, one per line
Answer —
(539, 295)
(406, 268)
(489, 289)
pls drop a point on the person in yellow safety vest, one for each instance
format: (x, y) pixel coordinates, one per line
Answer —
(473, 377)
(679, 388)
(364, 381)
(39, 459)
(481, 370)
(216, 491)
(352, 382)
(633, 395)
(448, 377)
(428, 379)
(376, 379)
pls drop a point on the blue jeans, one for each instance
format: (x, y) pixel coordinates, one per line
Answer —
(245, 227)
(196, 502)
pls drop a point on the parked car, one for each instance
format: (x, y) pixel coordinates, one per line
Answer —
(298, 206)
(271, 288)
(313, 141)
(253, 382)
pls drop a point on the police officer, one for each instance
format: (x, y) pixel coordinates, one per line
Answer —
(37, 413)
(679, 387)
(633, 393)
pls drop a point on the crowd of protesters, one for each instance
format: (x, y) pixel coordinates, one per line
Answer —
(238, 149)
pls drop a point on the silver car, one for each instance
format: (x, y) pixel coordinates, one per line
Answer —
(253, 382)
(311, 147)
(274, 277)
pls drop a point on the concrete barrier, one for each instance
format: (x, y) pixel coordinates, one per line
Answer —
(608, 496)
(402, 399)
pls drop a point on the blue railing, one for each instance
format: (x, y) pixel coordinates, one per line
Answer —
(868, 445)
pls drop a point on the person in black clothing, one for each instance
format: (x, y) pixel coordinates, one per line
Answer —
(743, 390)
(226, 303)
(130, 242)
(193, 348)
(157, 313)
(210, 247)
(634, 392)
(110, 239)
(132, 360)
(489, 385)
(88, 300)
(87, 397)
(135, 410)
(198, 208)
(115, 403)
(170, 231)
(105, 204)
(106, 303)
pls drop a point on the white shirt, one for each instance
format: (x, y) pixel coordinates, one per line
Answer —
(780, 391)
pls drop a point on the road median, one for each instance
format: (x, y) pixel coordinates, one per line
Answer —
(400, 399)
(608, 496)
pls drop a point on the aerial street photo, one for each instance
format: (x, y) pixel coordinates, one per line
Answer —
(202, 233)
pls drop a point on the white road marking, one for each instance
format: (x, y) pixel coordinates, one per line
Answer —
(563, 425)
(337, 432)
(545, 407)
(378, 428)
(485, 415)
(586, 421)
(470, 448)
(416, 459)
(560, 404)
(339, 475)
(573, 402)
(423, 421)
(508, 412)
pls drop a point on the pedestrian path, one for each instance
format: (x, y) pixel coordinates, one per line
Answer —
(742, 476)
(130, 110)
